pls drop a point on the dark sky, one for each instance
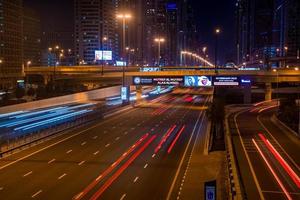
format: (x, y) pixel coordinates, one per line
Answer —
(58, 15)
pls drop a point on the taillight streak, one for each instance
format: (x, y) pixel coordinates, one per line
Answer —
(272, 171)
(121, 169)
(108, 170)
(175, 140)
(282, 162)
(164, 138)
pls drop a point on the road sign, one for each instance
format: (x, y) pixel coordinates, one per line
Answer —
(210, 190)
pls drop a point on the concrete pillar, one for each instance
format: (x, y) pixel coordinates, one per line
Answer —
(268, 92)
(247, 94)
(139, 93)
(46, 79)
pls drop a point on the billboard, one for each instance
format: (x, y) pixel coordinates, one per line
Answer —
(226, 81)
(103, 55)
(143, 80)
(197, 81)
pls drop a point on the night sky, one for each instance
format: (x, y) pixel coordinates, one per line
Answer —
(58, 15)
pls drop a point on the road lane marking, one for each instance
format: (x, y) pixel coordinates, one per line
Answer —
(136, 178)
(65, 139)
(107, 145)
(104, 132)
(96, 152)
(63, 175)
(37, 193)
(113, 127)
(153, 155)
(81, 162)
(247, 156)
(51, 161)
(123, 197)
(145, 166)
(1, 188)
(27, 174)
(125, 133)
(69, 151)
(183, 156)
(117, 138)
(95, 137)
(83, 143)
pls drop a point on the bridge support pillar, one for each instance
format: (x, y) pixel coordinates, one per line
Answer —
(139, 93)
(268, 92)
(247, 94)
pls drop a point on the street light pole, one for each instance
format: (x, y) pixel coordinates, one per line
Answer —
(217, 31)
(159, 41)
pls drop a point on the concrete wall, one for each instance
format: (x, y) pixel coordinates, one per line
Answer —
(73, 98)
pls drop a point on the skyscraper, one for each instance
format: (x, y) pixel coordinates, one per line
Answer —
(10, 42)
(94, 21)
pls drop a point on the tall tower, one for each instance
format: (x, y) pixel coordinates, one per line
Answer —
(10, 42)
(94, 21)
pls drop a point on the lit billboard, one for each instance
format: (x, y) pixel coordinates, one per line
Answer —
(197, 81)
(103, 55)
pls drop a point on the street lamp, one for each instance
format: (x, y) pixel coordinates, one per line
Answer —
(159, 41)
(28, 63)
(217, 32)
(277, 77)
(124, 17)
(104, 39)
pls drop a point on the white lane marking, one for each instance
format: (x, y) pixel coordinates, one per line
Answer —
(27, 174)
(1, 188)
(69, 151)
(63, 175)
(125, 133)
(132, 128)
(96, 152)
(145, 166)
(153, 155)
(81, 162)
(107, 145)
(123, 197)
(152, 129)
(104, 132)
(64, 139)
(136, 178)
(117, 138)
(51, 161)
(138, 124)
(113, 127)
(183, 156)
(95, 137)
(37, 193)
(83, 143)
(247, 156)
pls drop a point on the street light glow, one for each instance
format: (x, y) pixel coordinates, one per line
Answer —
(197, 57)
(124, 16)
(159, 39)
(218, 30)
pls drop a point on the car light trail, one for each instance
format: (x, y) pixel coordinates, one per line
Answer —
(36, 113)
(121, 170)
(108, 170)
(175, 140)
(272, 171)
(165, 137)
(282, 162)
(267, 108)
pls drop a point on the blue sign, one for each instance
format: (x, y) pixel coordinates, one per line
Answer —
(210, 190)
(171, 6)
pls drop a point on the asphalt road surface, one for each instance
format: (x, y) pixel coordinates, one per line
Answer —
(137, 154)
(268, 156)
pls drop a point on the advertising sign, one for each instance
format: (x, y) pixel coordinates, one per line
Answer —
(103, 55)
(120, 63)
(142, 80)
(149, 69)
(226, 81)
(124, 93)
(197, 81)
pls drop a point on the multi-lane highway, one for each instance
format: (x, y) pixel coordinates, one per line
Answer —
(138, 154)
(267, 154)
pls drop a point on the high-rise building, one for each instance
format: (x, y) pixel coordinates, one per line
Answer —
(11, 51)
(94, 21)
(31, 38)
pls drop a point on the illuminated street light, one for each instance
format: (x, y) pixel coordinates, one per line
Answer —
(297, 68)
(1, 61)
(159, 41)
(56, 47)
(217, 32)
(124, 17)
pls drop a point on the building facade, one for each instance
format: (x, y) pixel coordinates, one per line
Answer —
(95, 29)
(11, 45)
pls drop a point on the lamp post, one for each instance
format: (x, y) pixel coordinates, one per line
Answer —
(217, 32)
(28, 63)
(104, 39)
(124, 17)
(159, 40)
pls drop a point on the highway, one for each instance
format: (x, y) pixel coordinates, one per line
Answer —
(137, 154)
(267, 155)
